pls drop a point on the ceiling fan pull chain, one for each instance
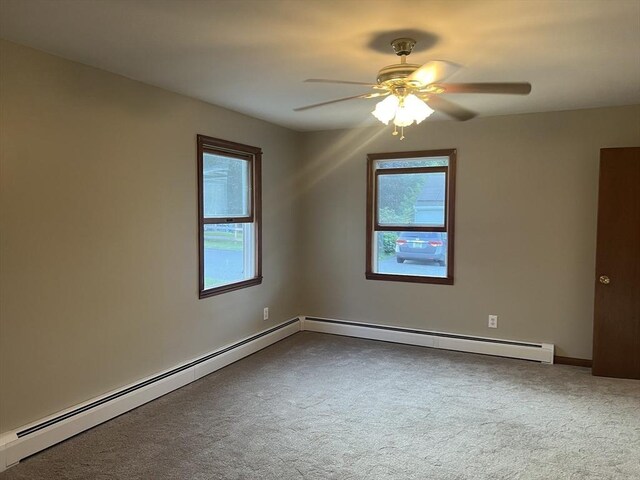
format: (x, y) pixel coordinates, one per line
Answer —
(402, 133)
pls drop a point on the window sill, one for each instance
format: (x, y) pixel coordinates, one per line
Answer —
(409, 278)
(229, 288)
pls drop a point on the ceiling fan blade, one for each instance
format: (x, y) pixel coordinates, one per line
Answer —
(454, 110)
(364, 95)
(348, 82)
(434, 71)
(513, 88)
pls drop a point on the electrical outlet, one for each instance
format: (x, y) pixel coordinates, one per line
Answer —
(493, 321)
(265, 313)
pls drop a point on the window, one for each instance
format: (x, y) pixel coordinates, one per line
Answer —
(229, 236)
(410, 207)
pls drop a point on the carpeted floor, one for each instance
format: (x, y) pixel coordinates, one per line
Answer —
(318, 406)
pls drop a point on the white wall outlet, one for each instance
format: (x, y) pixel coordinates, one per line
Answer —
(493, 321)
(265, 313)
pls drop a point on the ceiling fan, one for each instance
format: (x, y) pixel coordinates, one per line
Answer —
(413, 92)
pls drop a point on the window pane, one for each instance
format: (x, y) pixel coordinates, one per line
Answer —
(228, 254)
(226, 188)
(413, 162)
(422, 254)
(412, 199)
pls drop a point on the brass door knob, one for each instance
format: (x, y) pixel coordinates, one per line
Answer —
(605, 280)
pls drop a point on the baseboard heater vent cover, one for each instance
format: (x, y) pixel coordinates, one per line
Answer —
(541, 352)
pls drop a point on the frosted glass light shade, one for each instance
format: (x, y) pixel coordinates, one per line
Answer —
(386, 109)
(417, 108)
(404, 113)
(404, 117)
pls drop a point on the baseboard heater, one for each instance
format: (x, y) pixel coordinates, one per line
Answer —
(23, 442)
(33, 438)
(541, 352)
(143, 384)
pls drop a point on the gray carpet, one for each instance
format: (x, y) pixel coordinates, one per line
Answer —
(326, 407)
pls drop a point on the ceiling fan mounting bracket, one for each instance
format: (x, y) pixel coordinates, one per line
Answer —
(403, 46)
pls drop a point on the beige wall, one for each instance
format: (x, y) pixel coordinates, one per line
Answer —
(525, 226)
(98, 230)
(98, 233)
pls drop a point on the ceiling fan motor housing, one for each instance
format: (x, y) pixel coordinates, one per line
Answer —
(396, 73)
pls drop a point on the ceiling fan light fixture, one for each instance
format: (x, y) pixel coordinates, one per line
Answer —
(402, 110)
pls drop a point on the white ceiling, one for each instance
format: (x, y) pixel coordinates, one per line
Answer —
(252, 55)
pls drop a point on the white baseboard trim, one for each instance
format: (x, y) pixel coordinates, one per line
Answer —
(541, 352)
(48, 431)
